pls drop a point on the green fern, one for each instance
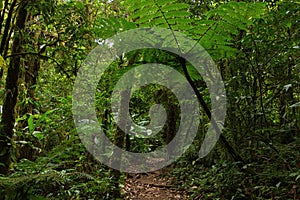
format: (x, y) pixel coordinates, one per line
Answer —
(107, 27)
(160, 13)
(227, 21)
(215, 32)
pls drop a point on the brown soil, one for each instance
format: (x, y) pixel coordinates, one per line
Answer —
(151, 186)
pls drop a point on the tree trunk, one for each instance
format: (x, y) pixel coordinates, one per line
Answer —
(120, 139)
(31, 70)
(7, 27)
(11, 93)
(233, 153)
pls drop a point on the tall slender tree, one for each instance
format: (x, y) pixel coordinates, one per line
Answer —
(11, 91)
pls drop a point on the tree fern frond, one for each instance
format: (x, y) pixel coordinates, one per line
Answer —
(109, 27)
(229, 18)
(137, 6)
(165, 2)
(177, 14)
(240, 11)
(175, 6)
(215, 32)
(162, 13)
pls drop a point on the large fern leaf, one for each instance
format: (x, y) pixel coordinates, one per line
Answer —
(229, 20)
(216, 33)
(159, 13)
(107, 27)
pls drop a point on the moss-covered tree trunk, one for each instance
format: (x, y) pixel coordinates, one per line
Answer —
(173, 114)
(32, 67)
(119, 139)
(11, 92)
(8, 11)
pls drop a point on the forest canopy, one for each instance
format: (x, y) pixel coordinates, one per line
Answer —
(252, 47)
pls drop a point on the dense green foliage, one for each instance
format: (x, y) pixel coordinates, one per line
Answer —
(254, 44)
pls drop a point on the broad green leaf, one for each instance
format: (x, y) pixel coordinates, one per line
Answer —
(2, 62)
(43, 116)
(39, 135)
(31, 126)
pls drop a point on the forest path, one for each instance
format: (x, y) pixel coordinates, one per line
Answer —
(153, 185)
